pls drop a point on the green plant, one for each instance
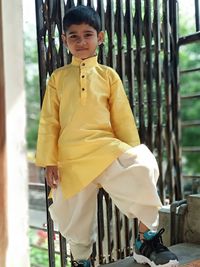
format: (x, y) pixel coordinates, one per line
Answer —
(39, 249)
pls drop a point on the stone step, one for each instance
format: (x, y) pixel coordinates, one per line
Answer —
(187, 253)
(128, 262)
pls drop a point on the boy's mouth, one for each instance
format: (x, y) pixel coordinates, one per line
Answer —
(81, 49)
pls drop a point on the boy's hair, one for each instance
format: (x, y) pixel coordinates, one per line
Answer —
(82, 14)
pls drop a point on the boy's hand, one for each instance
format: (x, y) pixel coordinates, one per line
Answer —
(52, 176)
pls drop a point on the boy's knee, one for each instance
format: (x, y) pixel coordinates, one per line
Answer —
(148, 160)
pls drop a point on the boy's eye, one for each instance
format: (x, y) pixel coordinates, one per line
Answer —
(73, 36)
(88, 35)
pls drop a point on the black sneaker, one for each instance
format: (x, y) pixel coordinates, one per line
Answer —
(152, 251)
(81, 263)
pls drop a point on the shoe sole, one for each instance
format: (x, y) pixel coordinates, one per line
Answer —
(143, 260)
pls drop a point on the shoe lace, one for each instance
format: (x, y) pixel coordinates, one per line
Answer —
(157, 243)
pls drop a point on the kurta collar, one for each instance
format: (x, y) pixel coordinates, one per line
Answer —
(88, 62)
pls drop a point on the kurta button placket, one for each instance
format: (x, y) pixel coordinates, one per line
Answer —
(83, 83)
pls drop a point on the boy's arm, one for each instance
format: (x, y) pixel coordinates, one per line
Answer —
(122, 120)
(49, 127)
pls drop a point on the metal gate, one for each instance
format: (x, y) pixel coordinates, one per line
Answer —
(142, 45)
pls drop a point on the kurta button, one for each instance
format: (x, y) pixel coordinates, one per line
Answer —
(83, 76)
(83, 89)
(83, 64)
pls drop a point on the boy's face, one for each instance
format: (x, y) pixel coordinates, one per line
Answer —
(82, 40)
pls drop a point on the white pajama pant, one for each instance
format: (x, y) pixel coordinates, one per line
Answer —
(131, 183)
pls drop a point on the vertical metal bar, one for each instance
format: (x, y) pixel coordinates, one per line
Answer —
(69, 4)
(168, 111)
(50, 230)
(100, 9)
(94, 254)
(42, 70)
(110, 22)
(40, 27)
(173, 228)
(118, 233)
(50, 20)
(62, 49)
(148, 67)
(109, 220)
(120, 40)
(197, 15)
(90, 3)
(159, 101)
(63, 251)
(138, 26)
(175, 97)
(135, 228)
(80, 2)
(71, 258)
(135, 231)
(127, 237)
(100, 226)
(130, 54)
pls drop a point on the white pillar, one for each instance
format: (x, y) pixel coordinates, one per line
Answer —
(17, 176)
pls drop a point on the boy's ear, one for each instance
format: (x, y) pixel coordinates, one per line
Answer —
(100, 37)
(64, 39)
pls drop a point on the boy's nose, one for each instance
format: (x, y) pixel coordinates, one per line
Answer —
(81, 41)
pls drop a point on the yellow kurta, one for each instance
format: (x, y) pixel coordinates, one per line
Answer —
(86, 123)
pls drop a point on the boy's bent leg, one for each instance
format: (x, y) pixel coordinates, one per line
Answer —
(76, 220)
(131, 183)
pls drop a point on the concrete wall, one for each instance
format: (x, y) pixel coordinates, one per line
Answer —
(192, 220)
(17, 178)
(190, 230)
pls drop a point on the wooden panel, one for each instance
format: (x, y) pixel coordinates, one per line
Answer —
(3, 179)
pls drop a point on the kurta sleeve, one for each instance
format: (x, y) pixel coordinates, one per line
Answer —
(49, 127)
(121, 115)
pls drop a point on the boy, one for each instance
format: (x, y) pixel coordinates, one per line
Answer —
(87, 138)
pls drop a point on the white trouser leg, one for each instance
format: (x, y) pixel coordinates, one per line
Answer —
(76, 219)
(131, 183)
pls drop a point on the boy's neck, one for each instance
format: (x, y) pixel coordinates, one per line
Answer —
(88, 57)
